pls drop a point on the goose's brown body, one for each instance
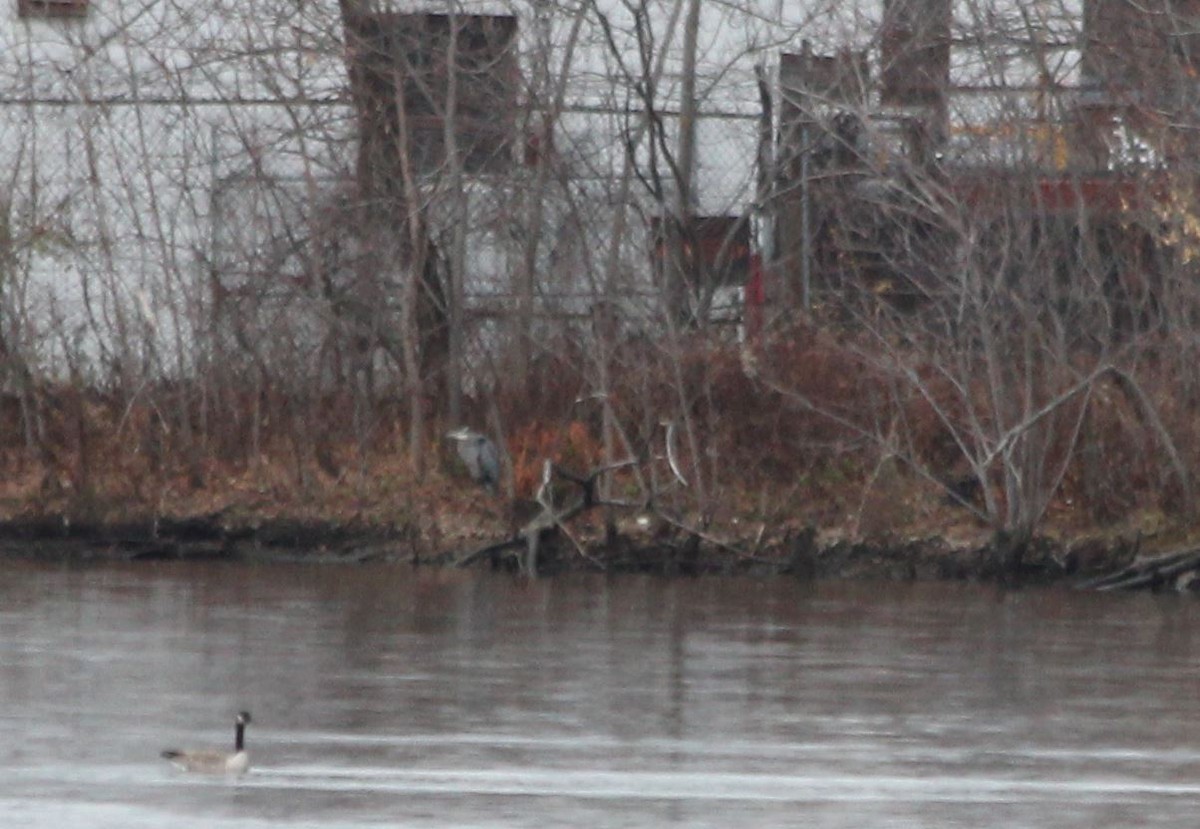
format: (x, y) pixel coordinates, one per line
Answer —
(216, 762)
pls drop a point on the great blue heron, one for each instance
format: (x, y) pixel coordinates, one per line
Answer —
(480, 457)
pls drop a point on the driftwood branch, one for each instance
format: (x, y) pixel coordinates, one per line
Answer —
(495, 548)
(551, 518)
(672, 455)
(1156, 571)
(526, 542)
(706, 536)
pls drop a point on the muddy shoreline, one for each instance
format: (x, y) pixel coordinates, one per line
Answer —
(798, 555)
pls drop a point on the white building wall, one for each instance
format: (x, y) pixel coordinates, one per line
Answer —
(115, 131)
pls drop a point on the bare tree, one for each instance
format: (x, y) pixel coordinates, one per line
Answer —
(287, 232)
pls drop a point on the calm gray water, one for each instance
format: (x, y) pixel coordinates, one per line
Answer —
(384, 696)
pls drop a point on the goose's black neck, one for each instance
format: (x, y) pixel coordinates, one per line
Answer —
(239, 740)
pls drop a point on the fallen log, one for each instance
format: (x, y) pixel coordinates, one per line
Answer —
(554, 520)
(1148, 573)
(551, 519)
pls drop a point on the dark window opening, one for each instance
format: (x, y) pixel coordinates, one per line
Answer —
(438, 67)
(820, 96)
(807, 78)
(52, 8)
(1147, 52)
(715, 249)
(915, 52)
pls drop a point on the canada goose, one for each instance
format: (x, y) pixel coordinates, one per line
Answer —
(216, 762)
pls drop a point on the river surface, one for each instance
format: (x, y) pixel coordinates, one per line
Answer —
(384, 696)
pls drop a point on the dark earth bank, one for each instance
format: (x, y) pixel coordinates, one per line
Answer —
(1113, 563)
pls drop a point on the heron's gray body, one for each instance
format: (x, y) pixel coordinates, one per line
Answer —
(480, 456)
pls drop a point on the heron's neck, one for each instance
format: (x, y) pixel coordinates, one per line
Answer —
(239, 739)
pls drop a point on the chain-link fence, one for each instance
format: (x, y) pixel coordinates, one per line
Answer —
(567, 227)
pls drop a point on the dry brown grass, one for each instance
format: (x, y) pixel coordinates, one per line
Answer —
(771, 461)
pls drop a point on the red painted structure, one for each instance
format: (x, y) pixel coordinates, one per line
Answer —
(1105, 193)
